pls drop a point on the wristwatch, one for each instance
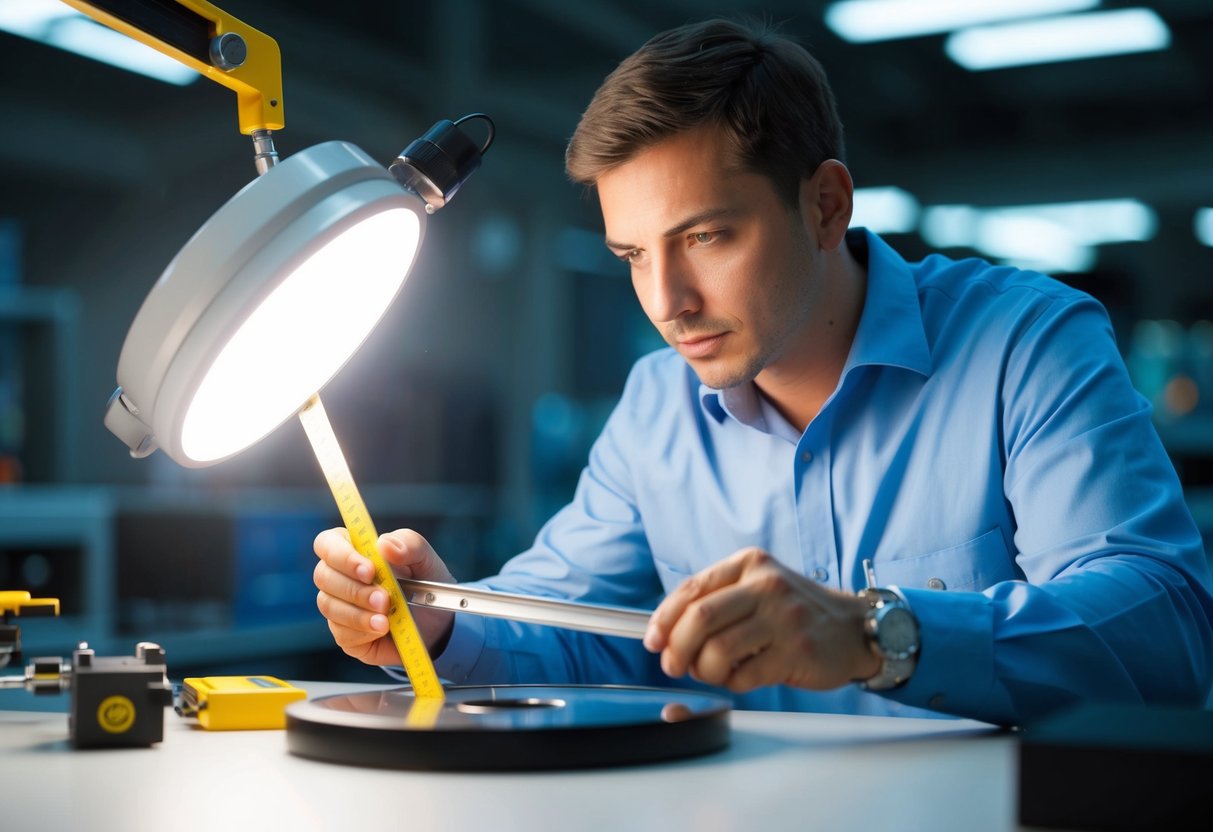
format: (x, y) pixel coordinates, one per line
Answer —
(892, 632)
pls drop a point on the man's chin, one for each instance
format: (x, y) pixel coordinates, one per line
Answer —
(720, 375)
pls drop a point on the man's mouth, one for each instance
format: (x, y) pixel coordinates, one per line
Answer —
(699, 346)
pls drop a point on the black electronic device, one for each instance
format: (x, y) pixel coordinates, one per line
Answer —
(119, 700)
(1116, 767)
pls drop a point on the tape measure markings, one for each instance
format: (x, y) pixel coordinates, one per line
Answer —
(403, 629)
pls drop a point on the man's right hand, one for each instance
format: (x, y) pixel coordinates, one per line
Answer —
(356, 608)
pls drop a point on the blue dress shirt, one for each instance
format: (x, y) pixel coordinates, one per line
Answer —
(984, 447)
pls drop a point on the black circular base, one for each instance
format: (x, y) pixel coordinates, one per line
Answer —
(510, 727)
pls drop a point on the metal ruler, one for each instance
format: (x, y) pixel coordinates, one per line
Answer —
(413, 652)
(571, 615)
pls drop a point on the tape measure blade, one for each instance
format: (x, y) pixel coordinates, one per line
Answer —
(405, 635)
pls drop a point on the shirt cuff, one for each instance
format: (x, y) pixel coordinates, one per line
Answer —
(955, 670)
(462, 651)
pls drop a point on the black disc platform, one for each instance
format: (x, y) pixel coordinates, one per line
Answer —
(509, 727)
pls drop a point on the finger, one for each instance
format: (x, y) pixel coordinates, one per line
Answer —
(334, 538)
(366, 648)
(723, 653)
(670, 610)
(367, 596)
(350, 616)
(703, 619)
(411, 556)
(334, 548)
(350, 637)
(770, 667)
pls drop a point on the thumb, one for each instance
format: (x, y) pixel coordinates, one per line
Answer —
(411, 556)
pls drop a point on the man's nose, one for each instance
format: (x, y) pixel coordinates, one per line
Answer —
(672, 289)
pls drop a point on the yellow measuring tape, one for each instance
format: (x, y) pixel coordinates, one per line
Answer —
(413, 653)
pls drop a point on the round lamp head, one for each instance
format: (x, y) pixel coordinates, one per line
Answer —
(264, 305)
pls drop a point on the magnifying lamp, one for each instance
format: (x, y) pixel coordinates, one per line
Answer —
(267, 301)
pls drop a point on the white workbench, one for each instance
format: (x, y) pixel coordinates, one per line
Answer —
(782, 771)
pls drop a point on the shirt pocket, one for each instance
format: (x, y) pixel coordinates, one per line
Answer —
(974, 565)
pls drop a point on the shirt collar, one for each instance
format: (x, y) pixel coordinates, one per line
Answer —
(890, 330)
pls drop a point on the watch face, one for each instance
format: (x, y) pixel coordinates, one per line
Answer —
(897, 633)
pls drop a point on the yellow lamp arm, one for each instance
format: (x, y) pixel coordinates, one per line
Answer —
(208, 40)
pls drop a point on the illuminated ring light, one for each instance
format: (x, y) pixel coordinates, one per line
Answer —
(314, 251)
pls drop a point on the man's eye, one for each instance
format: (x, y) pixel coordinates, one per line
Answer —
(704, 237)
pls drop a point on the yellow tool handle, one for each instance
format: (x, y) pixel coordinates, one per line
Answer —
(413, 653)
(19, 602)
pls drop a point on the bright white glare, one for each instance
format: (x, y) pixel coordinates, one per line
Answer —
(864, 21)
(300, 335)
(57, 24)
(886, 210)
(1054, 39)
(950, 226)
(1055, 237)
(1203, 225)
(1033, 243)
(1093, 222)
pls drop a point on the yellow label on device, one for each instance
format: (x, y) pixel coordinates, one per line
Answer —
(413, 653)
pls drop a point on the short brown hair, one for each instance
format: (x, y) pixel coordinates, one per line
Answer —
(766, 91)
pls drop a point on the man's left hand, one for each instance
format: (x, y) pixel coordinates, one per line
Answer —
(749, 621)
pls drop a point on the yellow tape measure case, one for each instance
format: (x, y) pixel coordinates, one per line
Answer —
(237, 703)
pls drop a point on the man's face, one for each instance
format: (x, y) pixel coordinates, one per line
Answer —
(722, 266)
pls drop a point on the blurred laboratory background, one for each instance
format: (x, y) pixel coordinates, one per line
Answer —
(469, 412)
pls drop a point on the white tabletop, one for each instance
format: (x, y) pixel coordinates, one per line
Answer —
(782, 771)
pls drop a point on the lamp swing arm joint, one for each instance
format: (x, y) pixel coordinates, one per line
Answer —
(209, 41)
(264, 154)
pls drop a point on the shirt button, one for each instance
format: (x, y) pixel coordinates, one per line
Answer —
(936, 583)
(820, 575)
(807, 456)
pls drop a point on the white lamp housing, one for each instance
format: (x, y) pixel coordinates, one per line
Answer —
(264, 304)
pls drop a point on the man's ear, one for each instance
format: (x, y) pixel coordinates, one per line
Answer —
(826, 201)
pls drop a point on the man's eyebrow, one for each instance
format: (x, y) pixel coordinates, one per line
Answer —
(674, 231)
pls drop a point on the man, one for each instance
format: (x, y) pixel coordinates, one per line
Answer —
(968, 430)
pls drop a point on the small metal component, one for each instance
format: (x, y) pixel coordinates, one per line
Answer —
(228, 51)
(429, 599)
(83, 656)
(264, 156)
(149, 652)
(122, 418)
(46, 675)
(44, 666)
